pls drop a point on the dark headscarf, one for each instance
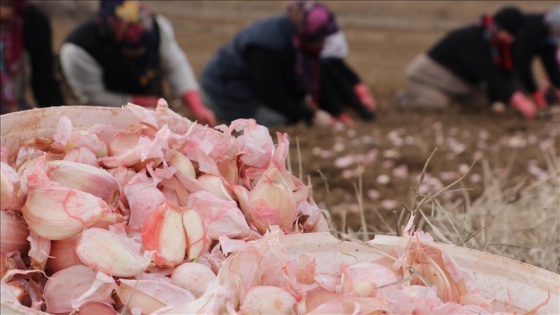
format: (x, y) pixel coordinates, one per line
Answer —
(129, 24)
(509, 19)
(313, 22)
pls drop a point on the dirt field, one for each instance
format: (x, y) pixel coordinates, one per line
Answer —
(387, 154)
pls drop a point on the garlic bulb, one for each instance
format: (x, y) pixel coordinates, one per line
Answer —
(56, 213)
(194, 277)
(111, 252)
(272, 201)
(163, 232)
(13, 233)
(86, 178)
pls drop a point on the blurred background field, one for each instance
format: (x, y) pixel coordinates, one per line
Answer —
(508, 203)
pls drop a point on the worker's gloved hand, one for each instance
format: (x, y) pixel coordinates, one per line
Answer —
(201, 114)
(523, 105)
(539, 99)
(364, 97)
(345, 119)
(322, 119)
(144, 100)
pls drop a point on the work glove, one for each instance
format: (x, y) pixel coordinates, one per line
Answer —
(144, 100)
(202, 114)
(523, 105)
(539, 99)
(364, 96)
(322, 119)
(345, 119)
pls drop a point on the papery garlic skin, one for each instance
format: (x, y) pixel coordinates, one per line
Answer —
(112, 253)
(272, 202)
(163, 232)
(194, 277)
(149, 296)
(268, 300)
(13, 233)
(56, 213)
(86, 178)
(215, 185)
(65, 288)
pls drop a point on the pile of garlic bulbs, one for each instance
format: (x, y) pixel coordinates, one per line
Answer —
(87, 211)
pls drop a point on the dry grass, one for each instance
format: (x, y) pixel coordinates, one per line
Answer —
(514, 217)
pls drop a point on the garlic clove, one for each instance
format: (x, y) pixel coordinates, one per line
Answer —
(215, 185)
(241, 195)
(196, 234)
(86, 178)
(149, 296)
(194, 277)
(123, 141)
(6, 264)
(112, 252)
(67, 289)
(11, 198)
(272, 202)
(81, 155)
(268, 300)
(96, 308)
(57, 213)
(163, 232)
(13, 233)
(18, 289)
(181, 163)
(63, 254)
(229, 170)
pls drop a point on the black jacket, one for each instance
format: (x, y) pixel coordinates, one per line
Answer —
(467, 54)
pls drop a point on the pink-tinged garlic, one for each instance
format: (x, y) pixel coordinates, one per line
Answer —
(112, 252)
(11, 198)
(82, 155)
(193, 277)
(163, 232)
(241, 195)
(6, 264)
(229, 170)
(56, 213)
(218, 300)
(196, 234)
(149, 296)
(39, 252)
(122, 141)
(18, 289)
(13, 233)
(181, 163)
(63, 254)
(268, 300)
(364, 279)
(221, 217)
(96, 308)
(272, 202)
(67, 289)
(143, 197)
(215, 185)
(86, 178)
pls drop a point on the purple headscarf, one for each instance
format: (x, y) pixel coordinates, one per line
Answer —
(313, 22)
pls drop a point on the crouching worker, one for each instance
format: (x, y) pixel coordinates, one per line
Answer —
(123, 55)
(268, 70)
(469, 65)
(341, 86)
(539, 40)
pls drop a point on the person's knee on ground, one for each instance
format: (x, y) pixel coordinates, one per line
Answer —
(422, 97)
